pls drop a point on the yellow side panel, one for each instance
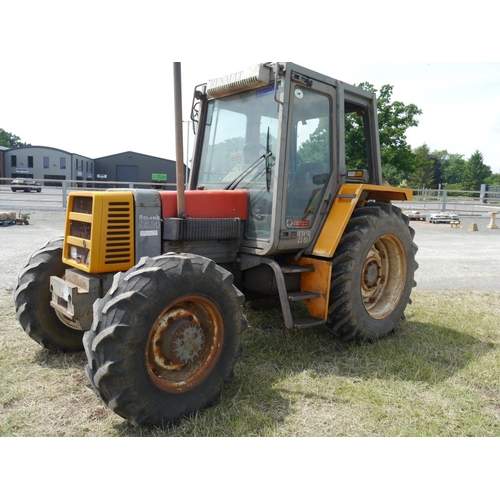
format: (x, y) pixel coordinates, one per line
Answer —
(347, 198)
(99, 236)
(319, 282)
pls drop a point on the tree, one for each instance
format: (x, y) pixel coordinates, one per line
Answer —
(394, 119)
(493, 180)
(10, 140)
(438, 170)
(454, 169)
(424, 171)
(475, 172)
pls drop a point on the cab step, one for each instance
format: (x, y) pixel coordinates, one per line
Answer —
(287, 298)
(291, 269)
(304, 295)
(308, 322)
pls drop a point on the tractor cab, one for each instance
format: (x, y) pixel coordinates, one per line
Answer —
(277, 131)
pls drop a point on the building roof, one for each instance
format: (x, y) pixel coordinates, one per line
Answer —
(46, 147)
(131, 153)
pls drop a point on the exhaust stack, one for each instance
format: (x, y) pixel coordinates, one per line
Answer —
(179, 160)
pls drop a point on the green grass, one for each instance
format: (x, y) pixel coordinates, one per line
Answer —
(436, 376)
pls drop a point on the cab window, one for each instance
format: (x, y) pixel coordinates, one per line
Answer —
(310, 156)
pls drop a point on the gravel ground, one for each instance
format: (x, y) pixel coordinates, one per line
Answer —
(458, 259)
(449, 259)
(19, 241)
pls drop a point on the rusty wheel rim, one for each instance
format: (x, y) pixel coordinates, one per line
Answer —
(383, 276)
(185, 343)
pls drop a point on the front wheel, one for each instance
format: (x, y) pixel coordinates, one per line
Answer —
(165, 338)
(32, 300)
(373, 273)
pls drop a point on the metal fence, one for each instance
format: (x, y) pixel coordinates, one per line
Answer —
(461, 202)
(424, 200)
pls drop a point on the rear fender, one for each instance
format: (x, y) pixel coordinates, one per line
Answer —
(348, 198)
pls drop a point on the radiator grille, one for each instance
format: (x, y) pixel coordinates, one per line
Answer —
(118, 245)
(208, 229)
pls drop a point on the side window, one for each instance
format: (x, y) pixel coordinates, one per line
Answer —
(310, 156)
(357, 138)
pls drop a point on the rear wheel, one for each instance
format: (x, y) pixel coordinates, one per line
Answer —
(373, 273)
(32, 300)
(165, 338)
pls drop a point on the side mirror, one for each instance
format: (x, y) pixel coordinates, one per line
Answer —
(320, 178)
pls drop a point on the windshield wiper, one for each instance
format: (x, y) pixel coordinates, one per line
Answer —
(268, 167)
(249, 169)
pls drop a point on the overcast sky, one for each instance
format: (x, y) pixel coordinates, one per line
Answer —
(97, 79)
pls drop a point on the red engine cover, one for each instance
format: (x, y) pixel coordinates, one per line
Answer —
(207, 204)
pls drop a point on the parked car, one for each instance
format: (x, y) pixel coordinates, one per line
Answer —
(25, 185)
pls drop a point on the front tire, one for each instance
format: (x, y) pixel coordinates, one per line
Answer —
(32, 300)
(373, 273)
(165, 338)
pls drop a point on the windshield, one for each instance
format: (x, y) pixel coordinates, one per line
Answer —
(236, 137)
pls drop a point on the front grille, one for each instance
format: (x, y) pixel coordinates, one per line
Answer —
(100, 231)
(119, 224)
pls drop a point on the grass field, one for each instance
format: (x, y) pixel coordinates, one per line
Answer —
(436, 376)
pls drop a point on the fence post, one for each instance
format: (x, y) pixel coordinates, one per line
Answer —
(445, 194)
(64, 195)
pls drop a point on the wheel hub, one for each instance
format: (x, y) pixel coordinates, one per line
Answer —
(183, 341)
(372, 276)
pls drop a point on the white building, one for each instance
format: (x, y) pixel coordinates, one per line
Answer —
(46, 164)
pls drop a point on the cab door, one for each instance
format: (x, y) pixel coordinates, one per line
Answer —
(310, 170)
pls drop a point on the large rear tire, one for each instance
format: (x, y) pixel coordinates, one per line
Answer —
(165, 338)
(32, 300)
(372, 273)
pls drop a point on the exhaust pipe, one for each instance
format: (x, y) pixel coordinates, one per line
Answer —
(179, 160)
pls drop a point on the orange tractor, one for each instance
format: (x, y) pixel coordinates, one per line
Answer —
(280, 206)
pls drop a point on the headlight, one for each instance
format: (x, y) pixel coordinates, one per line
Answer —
(79, 255)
